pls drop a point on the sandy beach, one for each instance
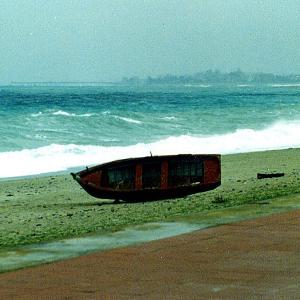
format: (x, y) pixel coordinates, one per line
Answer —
(49, 208)
(257, 259)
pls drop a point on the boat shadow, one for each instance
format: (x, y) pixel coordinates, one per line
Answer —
(114, 202)
(86, 204)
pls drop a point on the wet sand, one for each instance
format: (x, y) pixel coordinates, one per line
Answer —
(256, 259)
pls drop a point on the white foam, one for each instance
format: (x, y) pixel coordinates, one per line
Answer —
(106, 112)
(37, 114)
(169, 118)
(64, 113)
(198, 85)
(56, 157)
(129, 120)
(285, 85)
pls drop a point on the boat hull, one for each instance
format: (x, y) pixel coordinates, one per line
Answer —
(204, 174)
(148, 195)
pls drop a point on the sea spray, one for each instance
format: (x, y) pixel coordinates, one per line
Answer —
(50, 129)
(56, 157)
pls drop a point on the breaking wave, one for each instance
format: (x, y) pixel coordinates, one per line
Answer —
(57, 157)
(128, 120)
(169, 118)
(285, 85)
(64, 113)
(37, 114)
(198, 85)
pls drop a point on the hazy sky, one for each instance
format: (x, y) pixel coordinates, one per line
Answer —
(107, 39)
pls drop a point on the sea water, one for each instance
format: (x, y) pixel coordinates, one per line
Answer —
(54, 128)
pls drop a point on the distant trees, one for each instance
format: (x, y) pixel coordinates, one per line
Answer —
(214, 76)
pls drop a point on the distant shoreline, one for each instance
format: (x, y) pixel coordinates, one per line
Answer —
(143, 84)
(202, 77)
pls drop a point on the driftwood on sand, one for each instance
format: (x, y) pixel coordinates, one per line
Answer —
(269, 175)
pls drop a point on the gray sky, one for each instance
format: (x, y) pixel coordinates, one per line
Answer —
(107, 39)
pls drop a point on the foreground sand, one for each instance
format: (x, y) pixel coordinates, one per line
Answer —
(257, 259)
(55, 207)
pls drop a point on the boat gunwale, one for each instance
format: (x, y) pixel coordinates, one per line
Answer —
(135, 160)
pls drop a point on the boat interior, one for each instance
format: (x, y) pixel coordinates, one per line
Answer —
(160, 174)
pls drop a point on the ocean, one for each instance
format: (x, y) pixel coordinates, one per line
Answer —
(47, 129)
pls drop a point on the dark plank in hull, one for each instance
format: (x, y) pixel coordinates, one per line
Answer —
(148, 194)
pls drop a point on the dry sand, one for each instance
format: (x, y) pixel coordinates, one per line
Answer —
(257, 259)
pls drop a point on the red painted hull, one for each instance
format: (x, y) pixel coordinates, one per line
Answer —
(152, 178)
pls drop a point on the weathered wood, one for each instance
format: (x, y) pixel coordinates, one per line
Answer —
(269, 175)
(152, 178)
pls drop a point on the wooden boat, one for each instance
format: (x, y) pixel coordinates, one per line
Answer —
(152, 178)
